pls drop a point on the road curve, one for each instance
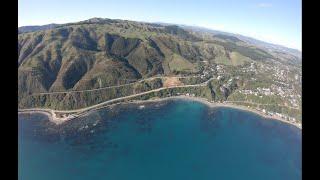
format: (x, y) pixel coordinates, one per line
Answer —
(109, 87)
(113, 100)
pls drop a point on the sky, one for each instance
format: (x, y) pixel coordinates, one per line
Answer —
(274, 21)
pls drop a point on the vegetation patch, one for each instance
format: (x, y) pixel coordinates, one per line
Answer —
(180, 64)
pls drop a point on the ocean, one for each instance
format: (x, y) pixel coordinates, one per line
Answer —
(172, 139)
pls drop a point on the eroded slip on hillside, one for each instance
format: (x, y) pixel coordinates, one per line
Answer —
(172, 82)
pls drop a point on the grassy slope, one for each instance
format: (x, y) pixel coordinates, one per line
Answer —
(91, 55)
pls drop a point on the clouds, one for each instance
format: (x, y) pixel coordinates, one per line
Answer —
(264, 5)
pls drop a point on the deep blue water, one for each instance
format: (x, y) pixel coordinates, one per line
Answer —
(166, 140)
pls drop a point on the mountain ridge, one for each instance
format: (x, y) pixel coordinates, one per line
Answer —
(252, 40)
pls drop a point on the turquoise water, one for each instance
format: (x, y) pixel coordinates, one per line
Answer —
(167, 140)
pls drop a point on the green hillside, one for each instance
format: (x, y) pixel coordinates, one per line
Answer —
(99, 53)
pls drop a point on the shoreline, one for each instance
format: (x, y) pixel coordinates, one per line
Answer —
(52, 116)
(216, 104)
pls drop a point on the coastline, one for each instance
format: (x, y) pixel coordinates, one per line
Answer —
(52, 116)
(216, 104)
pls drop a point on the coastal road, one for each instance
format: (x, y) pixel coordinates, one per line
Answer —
(79, 112)
(115, 100)
(290, 107)
(109, 87)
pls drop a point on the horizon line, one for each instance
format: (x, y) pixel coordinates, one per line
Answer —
(157, 22)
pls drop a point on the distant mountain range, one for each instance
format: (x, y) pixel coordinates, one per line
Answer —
(24, 29)
(269, 46)
(259, 43)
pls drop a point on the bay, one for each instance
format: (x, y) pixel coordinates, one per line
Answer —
(172, 139)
